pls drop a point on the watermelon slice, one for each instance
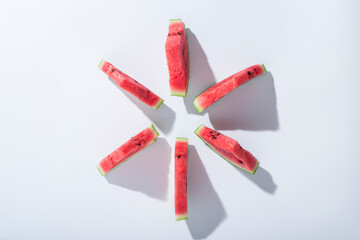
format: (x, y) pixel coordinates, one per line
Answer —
(131, 85)
(228, 148)
(220, 89)
(128, 149)
(181, 149)
(177, 56)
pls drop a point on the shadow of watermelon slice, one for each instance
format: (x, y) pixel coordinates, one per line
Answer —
(206, 211)
(163, 118)
(251, 106)
(151, 164)
(262, 179)
(201, 75)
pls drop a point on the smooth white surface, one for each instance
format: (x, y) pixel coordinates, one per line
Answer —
(60, 115)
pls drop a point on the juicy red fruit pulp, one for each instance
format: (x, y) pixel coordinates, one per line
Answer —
(220, 89)
(177, 57)
(181, 158)
(131, 85)
(228, 148)
(121, 154)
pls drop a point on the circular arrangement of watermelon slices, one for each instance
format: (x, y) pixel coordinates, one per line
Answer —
(177, 56)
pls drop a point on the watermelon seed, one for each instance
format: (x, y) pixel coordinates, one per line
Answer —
(240, 161)
(169, 34)
(249, 73)
(179, 156)
(179, 33)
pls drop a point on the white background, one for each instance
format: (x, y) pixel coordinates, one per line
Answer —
(60, 115)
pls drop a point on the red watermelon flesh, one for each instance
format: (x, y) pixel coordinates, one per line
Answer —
(177, 56)
(131, 85)
(128, 149)
(220, 89)
(228, 148)
(181, 150)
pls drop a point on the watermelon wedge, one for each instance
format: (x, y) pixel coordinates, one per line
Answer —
(228, 148)
(220, 89)
(181, 149)
(131, 85)
(128, 149)
(177, 56)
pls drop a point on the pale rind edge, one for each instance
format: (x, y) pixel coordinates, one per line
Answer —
(253, 172)
(101, 63)
(158, 104)
(175, 20)
(263, 66)
(182, 139)
(154, 130)
(180, 217)
(178, 94)
(99, 168)
(197, 106)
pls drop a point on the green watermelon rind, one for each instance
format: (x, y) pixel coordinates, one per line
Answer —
(101, 172)
(200, 109)
(182, 139)
(101, 63)
(196, 104)
(182, 94)
(196, 132)
(155, 132)
(263, 66)
(178, 94)
(175, 20)
(158, 104)
(181, 217)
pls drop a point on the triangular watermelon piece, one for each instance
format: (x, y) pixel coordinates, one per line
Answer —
(131, 85)
(181, 159)
(220, 89)
(177, 56)
(128, 149)
(228, 148)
